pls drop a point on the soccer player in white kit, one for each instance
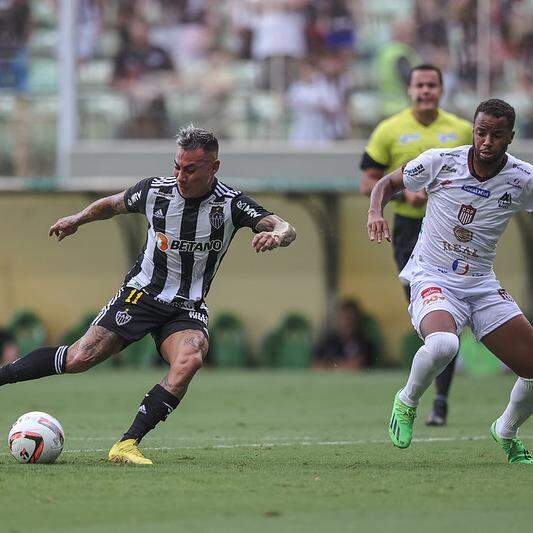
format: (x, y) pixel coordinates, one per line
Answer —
(473, 191)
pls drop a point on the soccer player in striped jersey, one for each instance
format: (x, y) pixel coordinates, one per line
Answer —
(192, 218)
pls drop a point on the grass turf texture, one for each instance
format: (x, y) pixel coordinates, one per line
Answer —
(264, 451)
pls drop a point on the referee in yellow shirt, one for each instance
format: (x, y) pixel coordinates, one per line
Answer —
(396, 141)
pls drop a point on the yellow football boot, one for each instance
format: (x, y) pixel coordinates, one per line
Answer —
(127, 451)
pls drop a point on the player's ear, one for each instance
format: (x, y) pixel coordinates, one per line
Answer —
(216, 165)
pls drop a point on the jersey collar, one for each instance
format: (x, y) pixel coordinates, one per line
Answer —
(473, 172)
(200, 198)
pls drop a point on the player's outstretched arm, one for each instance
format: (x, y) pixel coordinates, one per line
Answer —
(273, 232)
(102, 209)
(384, 190)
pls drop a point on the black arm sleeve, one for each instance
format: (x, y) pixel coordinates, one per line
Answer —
(368, 162)
(246, 212)
(135, 196)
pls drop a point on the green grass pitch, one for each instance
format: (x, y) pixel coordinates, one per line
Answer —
(264, 451)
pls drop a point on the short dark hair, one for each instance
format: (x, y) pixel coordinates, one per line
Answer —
(497, 108)
(192, 138)
(425, 66)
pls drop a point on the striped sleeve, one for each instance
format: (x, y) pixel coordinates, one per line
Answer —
(135, 196)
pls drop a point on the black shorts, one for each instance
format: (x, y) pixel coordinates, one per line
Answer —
(404, 238)
(133, 313)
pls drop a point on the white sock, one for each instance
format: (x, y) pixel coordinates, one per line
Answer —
(430, 360)
(518, 410)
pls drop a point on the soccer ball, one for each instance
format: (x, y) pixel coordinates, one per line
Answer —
(36, 438)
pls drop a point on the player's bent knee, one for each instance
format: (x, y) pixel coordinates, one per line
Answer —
(442, 345)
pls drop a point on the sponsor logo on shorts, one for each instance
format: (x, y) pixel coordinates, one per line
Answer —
(462, 234)
(216, 216)
(466, 214)
(505, 295)
(179, 245)
(430, 290)
(122, 317)
(430, 300)
(414, 171)
(159, 214)
(478, 191)
(505, 200)
(460, 267)
(432, 295)
(458, 249)
(195, 315)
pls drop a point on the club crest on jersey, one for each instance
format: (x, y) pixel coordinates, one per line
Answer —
(466, 214)
(122, 317)
(462, 234)
(216, 216)
(505, 200)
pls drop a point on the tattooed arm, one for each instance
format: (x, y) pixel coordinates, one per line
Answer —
(274, 232)
(102, 209)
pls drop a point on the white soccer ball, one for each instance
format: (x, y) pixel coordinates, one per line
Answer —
(36, 437)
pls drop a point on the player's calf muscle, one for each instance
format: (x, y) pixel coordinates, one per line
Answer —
(94, 347)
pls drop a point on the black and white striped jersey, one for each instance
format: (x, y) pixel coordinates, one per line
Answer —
(187, 237)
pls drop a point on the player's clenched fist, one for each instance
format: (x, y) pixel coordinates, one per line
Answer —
(265, 240)
(377, 227)
(64, 227)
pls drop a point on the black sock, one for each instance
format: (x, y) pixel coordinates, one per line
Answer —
(155, 407)
(37, 364)
(444, 380)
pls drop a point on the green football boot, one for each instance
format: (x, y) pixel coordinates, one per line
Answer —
(401, 423)
(514, 448)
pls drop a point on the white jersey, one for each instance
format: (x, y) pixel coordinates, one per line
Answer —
(466, 215)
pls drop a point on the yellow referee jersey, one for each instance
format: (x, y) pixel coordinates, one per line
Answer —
(400, 138)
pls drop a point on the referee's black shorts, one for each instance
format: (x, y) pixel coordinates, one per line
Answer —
(133, 313)
(404, 237)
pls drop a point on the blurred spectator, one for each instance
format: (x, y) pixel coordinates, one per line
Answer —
(394, 62)
(278, 39)
(146, 73)
(183, 29)
(331, 25)
(90, 25)
(8, 348)
(318, 101)
(349, 346)
(15, 30)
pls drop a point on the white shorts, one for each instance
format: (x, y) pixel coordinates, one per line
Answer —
(480, 302)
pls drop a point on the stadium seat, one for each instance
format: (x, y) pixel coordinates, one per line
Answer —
(291, 344)
(228, 342)
(28, 330)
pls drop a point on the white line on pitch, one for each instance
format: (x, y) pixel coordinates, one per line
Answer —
(208, 446)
